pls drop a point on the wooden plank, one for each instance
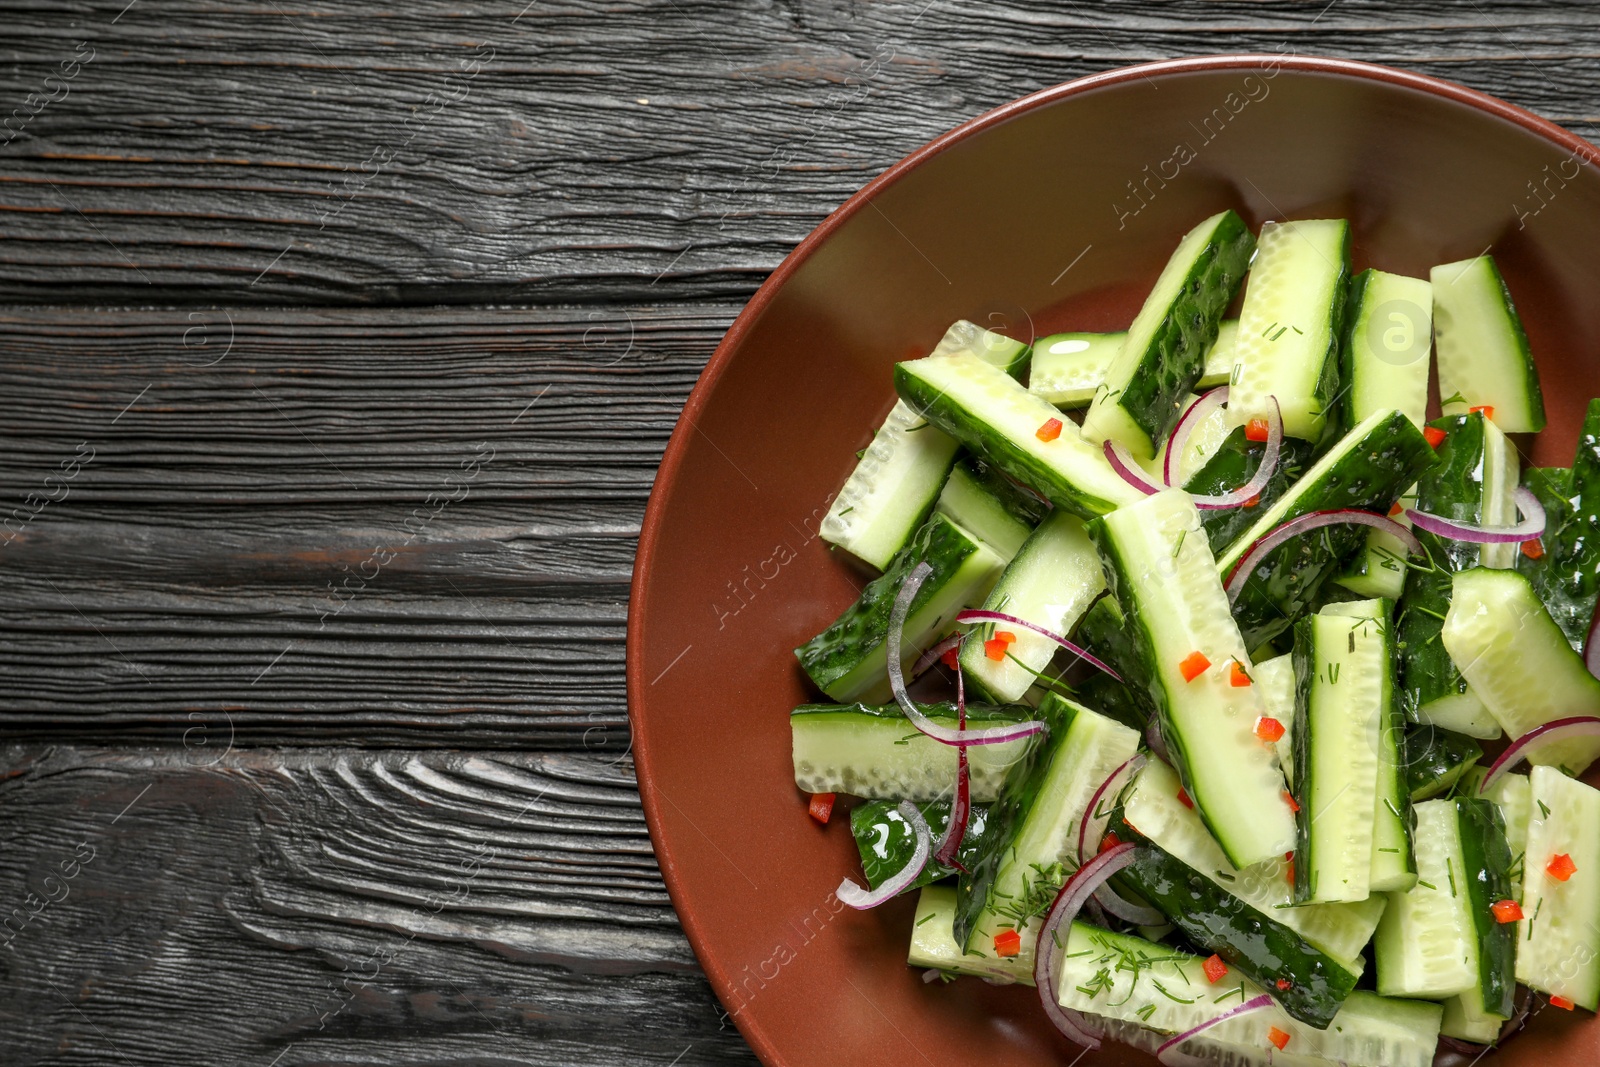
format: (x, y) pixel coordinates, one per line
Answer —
(190, 152)
(386, 525)
(317, 906)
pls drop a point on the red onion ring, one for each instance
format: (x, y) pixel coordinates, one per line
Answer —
(1197, 410)
(1313, 520)
(1531, 526)
(1153, 738)
(1069, 901)
(862, 899)
(992, 735)
(1576, 726)
(930, 657)
(961, 807)
(1591, 647)
(972, 615)
(1258, 482)
(1128, 468)
(1169, 1054)
(931, 975)
(1128, 767)
(1126, 910)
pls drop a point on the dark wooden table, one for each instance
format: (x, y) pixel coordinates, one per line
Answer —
(339, 348)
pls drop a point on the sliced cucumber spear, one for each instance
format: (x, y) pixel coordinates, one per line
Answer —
(1558, 942)
(898, 477)
(1233, 464)
(1366, 469)
(1164, 353)
(933, 945)
(1276, 679)
(1014, 431)
(1291, 325)
(1483, 352)
(1436, 759)
(1161, 571)
(997, 514)
(876, 752)
(885, 841)
(849, 660)
(1567, 574)
(1032, 842)
(1519, 663)
(1051, 582)
(1069, 367)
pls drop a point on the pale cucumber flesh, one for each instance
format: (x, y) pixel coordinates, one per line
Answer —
(933, 943)
(1069, 367)
(884, 757)
(1426, 944)
(1558, 940)
(1483, 352)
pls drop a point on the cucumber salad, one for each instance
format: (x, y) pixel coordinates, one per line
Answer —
(1208, 686)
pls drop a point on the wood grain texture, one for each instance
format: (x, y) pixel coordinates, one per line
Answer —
(281, 270)
(203, 153)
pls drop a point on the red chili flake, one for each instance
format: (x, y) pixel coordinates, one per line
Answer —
(1506, 911)
(1560, 867)
(1049, 431)
(1256, 430)
(1109, 841)
(1183, 798)
(1283, 987)
(1277, 1037)
(1215, 969)
(995, 649)
(1194, 665)
(1289, 870)
(1252, 502)
(1533, 549)
(1563, 1003)
(1005, 635)
(951, 658)
(1395, 509)
(1294, 805)
(1269, 729)
(821, 808)
(1237, 677)
(1486, 409)
(1007, 943)
(1434, 435)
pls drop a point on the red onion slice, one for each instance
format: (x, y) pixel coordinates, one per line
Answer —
(1077, 890)
(1128, 468)
(1559, 730)
(1169, 1053)
(930, 657)
(861, 899)
(1313, 520)
(1127, 769)
(1258, 482)
(972, 615)
(992, 735)
(961, 807)
(1531, 526)
(1153, 739)
(1191, 417)
(1127, 910)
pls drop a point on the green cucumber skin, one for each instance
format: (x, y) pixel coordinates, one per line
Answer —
(835, 652)
(1232, 466)
(1262, 948)
(1172, 363)
(1006, 816)
(1567, 576)
(1103, 632)
(1487, 859)
(1436, 759)
(946, 413)
(1426, 671)
(1019, 502)
(1287, 583)
(878, 821)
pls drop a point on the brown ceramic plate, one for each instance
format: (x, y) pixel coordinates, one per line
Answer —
(1053, 212)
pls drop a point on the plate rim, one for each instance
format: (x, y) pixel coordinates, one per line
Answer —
(672, 457)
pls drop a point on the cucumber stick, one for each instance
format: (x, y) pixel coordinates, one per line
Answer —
(1151, 804)
(1482, 349)
(1069, 367)
(1104, 632)
(1051, 582)
(898, 477)
(933, 945)
(885, 841)
(1161, 571)
(1164, 353)
(1232, 464)
(849, 660)
(1474, 481)
(1014, 431)
(972, 503)
(1291, 326)
(1479, 1012)
(1441, 937)
(1519, 663)
(1567, 575)
(1218, 369)
(1032, 841)
(876, 752)
(1435, 759)
(1145, 990)
(1367, 469)
(1275, 677)
(1558, 940)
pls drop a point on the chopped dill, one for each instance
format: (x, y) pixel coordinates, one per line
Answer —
(1427, 885)
(1544, 809)
(926, 917)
